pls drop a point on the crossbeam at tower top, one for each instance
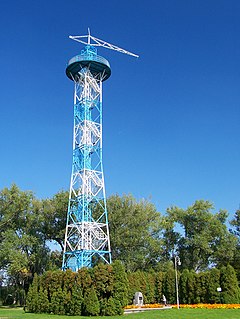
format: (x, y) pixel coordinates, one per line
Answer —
(93, 41)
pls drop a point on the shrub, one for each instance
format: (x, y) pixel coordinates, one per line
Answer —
(120, 284)
(159, 286)
(32, 296)
(169, 289)
(91, 306)
(57, 302)
(229, 284)
(75, 304)
(43, 302)
(111, 307)
(212, 283)
(103, 280)
(191, 287)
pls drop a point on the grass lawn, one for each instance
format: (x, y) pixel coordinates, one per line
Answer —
(18, 313)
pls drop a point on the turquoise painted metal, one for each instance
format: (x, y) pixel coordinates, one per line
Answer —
(87, 232)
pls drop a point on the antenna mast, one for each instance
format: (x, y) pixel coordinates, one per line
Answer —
(99, 43)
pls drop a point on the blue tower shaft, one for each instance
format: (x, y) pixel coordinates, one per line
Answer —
(87, 232)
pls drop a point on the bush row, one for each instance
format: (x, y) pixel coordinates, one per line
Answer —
(101, 290)
(193, 287)
(106, 289)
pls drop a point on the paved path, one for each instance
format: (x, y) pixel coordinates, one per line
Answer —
(132, 310)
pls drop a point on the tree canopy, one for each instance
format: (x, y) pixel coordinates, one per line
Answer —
(135, 232)
(23, 250)
(141, 237)
(201, 237)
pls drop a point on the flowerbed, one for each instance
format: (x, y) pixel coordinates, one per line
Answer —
(156, 305)
(196, 306)
(210, 306)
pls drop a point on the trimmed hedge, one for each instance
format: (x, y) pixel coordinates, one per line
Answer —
(101, 290)
(106, 289)
(193, 287)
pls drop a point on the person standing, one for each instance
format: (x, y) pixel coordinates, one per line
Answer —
(164, 300)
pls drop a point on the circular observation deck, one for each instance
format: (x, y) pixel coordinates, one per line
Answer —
(96, 64)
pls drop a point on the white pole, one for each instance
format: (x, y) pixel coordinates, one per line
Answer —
(177, 261)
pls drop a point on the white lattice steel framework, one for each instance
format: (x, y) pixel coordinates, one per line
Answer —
(87, 232)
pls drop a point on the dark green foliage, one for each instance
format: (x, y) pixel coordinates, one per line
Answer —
(57, 302)
(236, 223)
(101, 290)
(37, 298)
(111, 307)
(201, 282)
(144, 282)
(83, 278)
(54, 213)
(134, 285)
(23, 251)
(150, 287)
(75, 303)
(235, 262)
(229, 284)
(191, 288)
(135, 232)
(43, 302)
(143, 285)
(105, 289)
(204, 239)
(120, 283)
(53, 280)
(91, 305)
(159, 286)
(141, 238)
(183, 289)
(212, 283)
(32, 297)
(169, 286)
(103, 280)
(6, 294)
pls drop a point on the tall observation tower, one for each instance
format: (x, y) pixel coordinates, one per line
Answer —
(87, 232)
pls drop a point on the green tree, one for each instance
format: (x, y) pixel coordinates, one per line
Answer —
(169, 285)
(235, 222)
(112, 307)
(57, 302)
(213, 282)
(75, 308)
(159, 286)
(201, 282)
(150, 287)
(43, 302)
(229, 284)
(170, 239)
(120, 283)
(135, 231)
(23, 250)
(91, 305)
(53, 280)
(204, 239)
(235, 262)
(183, 289)
(134, 282)
(103, 280)
(191, 288)
(32, 296)
(54, 212)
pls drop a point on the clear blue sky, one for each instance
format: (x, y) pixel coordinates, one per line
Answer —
(171, 117)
